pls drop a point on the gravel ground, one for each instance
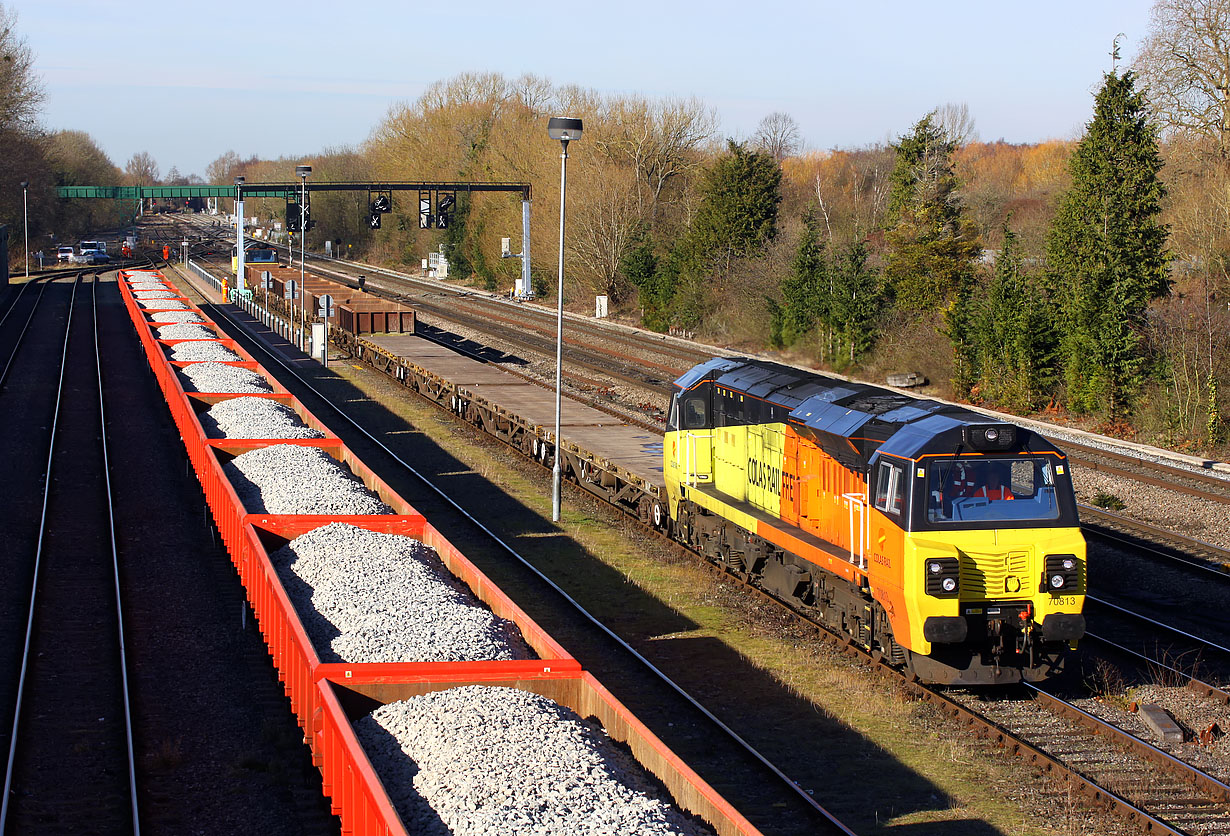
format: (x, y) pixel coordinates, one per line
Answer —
(185, 331)
(478, 760)
(1201, 519)
(203, 350)
(154, 294)
(218, 377)
(137, 287)
(163, 304)
(176, 316)
(365, 596)
(295, 479)
(1191, 711)
(254, 418)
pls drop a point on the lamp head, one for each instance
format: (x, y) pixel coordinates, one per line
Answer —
(25, 183)
(240, 180)
(303, 170)
(563, 128)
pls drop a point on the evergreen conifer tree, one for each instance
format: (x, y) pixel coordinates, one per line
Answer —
(1015, 336)
(1106, 252)
(856, 301)
(806, 289)
(932, 243)
(736, 217)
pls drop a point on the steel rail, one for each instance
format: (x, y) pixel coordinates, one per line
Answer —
(15, 300)
(1179, 768)
(4, 375)
(1208, 643)
(1171, 539)
(38, 557)
(115, 564)
(1212, 692)
(504, 546)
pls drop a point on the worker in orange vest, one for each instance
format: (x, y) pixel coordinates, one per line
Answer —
(993, 487)
(166, 253)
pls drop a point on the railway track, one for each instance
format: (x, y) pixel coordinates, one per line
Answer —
(207, 711)
(70, 750)
(1140, 809)
(1097, 790)
(761, 790)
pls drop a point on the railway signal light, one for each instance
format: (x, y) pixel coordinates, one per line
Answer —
(444, 210)
(382, 203)
(373, 217)
(426, 220)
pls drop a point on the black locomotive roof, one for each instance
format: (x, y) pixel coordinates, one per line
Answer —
(850, 421)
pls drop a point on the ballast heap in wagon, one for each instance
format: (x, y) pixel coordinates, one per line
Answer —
(948, 543)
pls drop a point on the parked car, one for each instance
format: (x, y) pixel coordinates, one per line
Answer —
(65, 254)
(91, 257)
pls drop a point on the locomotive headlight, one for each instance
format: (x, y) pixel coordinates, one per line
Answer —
(942, 576)
(1063, 572)
(992, 435)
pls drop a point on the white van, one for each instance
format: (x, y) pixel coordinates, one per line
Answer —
(64, 254)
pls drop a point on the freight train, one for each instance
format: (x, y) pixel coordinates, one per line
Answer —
(333, 696)
(946, 543)
(874, 511)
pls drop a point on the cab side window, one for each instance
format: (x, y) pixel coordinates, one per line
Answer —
(695, 414)
(889, 488)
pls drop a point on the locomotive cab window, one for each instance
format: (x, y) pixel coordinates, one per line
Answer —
(695, 414)
(991, 490)
(890, 492)
(672, 423)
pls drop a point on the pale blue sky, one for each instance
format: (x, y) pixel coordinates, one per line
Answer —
(188, 82)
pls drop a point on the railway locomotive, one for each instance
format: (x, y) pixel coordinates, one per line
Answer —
(947, 544)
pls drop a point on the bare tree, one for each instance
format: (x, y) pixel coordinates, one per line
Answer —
(662, 140)
(778, 135)
(1185, 67)
(142, 170)
(605, 225)
(956, 123)
(21, 95)
(222, 171)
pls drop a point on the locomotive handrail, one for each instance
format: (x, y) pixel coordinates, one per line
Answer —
(857, 499)
(691, 458)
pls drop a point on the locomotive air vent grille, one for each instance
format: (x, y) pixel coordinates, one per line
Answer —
(993, 575)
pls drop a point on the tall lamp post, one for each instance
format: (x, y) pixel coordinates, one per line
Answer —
(239, 253)
(565, 130)
(303, 171)
(25, 222)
